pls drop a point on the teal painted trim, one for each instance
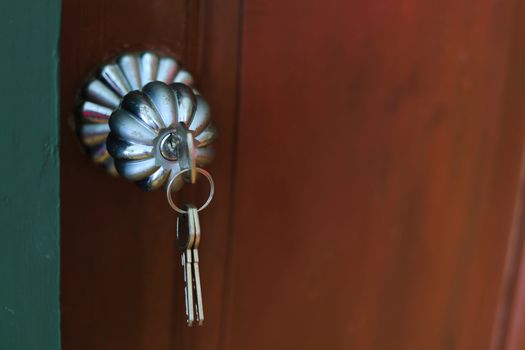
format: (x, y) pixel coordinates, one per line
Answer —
(29, 175)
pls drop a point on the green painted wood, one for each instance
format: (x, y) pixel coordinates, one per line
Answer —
(29, 175)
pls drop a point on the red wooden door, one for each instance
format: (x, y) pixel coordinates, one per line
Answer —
(368, 174)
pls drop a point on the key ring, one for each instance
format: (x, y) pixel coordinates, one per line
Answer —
(170, 184)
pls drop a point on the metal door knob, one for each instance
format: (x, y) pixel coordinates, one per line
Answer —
(140, 117)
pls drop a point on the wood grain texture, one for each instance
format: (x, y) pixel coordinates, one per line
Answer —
(29, 189)
(509, 326)
(368, 174)
(378, 169)
(118, 262)
(122, 287)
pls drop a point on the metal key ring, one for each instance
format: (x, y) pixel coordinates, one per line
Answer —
(210, 196)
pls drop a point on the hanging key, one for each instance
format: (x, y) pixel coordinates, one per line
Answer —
(194, 216)
(185, 241)
(188, 240)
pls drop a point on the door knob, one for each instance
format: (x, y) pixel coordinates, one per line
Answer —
(140, 117)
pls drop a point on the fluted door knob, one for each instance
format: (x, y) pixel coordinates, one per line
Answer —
(139, 116)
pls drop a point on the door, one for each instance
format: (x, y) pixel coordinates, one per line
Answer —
(369, 178)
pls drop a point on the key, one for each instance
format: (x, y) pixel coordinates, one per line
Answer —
(194, 216)
(185, 241)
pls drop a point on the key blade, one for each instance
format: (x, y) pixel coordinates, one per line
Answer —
(190, 287)
(189, 266)
(198, 289)
(185, 240)
(183, 260)
(194, 218)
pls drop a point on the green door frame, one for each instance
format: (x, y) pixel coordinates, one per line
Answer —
(29, 180)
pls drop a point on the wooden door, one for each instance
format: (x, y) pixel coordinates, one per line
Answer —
(369, 187)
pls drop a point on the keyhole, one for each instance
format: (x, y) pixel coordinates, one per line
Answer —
(168, 146)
